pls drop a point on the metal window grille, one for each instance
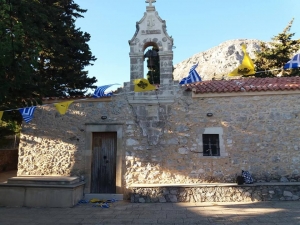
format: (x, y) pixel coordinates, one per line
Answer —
(211, 146)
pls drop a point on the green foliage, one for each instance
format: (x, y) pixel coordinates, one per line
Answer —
(9, 125)
(153, 74)
(14, 63)
(42, 53)
(276, 53)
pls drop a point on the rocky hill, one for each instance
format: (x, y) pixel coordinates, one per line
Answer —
(217, 62)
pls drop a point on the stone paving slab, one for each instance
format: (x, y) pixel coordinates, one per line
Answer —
(123, 212)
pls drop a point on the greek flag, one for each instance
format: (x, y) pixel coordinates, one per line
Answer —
(293, 63)
(27, 113)
(99, 92)
(192, 77)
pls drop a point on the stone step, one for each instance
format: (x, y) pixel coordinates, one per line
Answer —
(43, 180)
(118, 197)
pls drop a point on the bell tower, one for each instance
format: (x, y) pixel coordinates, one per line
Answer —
(151, 31)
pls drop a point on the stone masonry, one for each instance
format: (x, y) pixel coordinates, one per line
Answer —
(245, 193)
(161, 143)
(159, 133)
(151, 31)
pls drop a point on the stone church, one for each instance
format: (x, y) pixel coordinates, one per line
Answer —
(206, 132)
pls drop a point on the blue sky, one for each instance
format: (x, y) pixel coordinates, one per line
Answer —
(195, 25)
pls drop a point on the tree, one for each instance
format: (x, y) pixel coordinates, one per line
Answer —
(275, 54)
(42, 53)
(15, 63)
(9, 128)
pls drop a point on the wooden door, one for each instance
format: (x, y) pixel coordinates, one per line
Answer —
(104, 152)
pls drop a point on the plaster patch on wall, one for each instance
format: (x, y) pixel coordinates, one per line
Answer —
(183, 151)
(131, 142)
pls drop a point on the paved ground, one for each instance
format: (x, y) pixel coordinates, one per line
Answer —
(122, 212)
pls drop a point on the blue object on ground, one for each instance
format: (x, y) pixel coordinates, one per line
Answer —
(104, 205)
(83, 201)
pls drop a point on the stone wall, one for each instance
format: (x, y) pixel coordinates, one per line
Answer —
(261, 134)
(234, 193)
(8, 160)
(162, 141)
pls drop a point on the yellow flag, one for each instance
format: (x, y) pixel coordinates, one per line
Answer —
(143, 85)
(1, 114)
(247, 66)
(62, 107)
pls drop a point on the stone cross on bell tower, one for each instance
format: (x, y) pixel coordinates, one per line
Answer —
(150, 2)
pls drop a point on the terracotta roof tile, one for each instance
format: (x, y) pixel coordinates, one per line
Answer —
(247, 84)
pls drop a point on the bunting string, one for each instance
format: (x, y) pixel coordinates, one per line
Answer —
(263, 71)
(144, 85)
(111, 95)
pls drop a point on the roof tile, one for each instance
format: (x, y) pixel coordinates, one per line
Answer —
(247, 84)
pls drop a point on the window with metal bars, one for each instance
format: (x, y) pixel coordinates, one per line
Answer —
(211, 145)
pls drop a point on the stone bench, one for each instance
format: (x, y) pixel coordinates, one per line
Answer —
(214, 192)
(41, 191)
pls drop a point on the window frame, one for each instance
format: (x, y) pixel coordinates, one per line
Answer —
(212, 130)
(211, 144)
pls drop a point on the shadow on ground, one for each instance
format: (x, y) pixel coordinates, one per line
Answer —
(123, 212)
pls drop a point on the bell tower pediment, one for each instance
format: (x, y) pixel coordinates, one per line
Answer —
(151, 28)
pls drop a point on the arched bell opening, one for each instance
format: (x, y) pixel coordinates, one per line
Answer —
(151, 58)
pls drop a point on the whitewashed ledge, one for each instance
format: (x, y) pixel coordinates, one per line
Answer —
(215, 192)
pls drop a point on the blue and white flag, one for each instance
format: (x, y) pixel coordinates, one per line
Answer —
(99, 92)
(192, 77)
(293, 63)
(27, 113)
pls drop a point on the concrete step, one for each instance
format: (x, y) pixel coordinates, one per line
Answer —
(118, 197)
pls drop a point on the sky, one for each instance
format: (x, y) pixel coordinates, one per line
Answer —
(195, 25)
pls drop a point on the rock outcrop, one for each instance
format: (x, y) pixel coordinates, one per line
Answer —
(218, 61)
